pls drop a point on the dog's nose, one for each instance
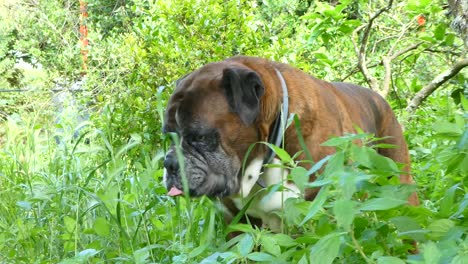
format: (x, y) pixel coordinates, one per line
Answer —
(171, 164)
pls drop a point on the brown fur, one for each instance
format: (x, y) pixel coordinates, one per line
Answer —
(325, 109)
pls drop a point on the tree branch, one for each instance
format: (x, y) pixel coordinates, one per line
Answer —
(386, 61)
(408, 49)
(392, 57)
(362, 63)
(420, 96)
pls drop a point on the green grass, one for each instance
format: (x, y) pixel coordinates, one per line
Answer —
(89, 200)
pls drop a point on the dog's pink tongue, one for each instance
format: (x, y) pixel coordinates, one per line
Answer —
(174, 191)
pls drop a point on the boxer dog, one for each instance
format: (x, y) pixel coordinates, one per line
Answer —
(222, 108)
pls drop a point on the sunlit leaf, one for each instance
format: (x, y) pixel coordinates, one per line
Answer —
(326, 249)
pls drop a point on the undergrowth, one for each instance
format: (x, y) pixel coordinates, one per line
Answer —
(75, 198)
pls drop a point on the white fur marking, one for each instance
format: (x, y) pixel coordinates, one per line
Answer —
(253, 170)
(261, 207)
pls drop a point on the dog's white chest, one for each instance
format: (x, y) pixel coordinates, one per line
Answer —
(265, 205)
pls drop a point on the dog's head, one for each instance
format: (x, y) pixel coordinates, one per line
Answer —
(213, 111)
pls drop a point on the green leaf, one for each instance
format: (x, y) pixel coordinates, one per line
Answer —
(281, 153)
(446, 205)
(460, 259)
(379, 204)
(240, 227)
(408, 227)
(246, 245)
(318, 165)
(449, 40)
(70, 224)
(464, 101)
(431, 253)
(24, 205)
(439, 228)
(284, 240)
(344, 211)
(335, 164)
(389, 260)
(335, 142)
(141, 255)
(326, 249)
(260, 256)
(369, 158)
(101, 227)
(439, 31)
(300, 177)
(462, 206)
(198, 251)
(303, 260)
(270, 245)
(445, 127)
(316, 204)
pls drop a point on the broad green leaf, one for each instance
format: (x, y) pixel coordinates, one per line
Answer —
(384, 164)
(439, 228)
(240, 227)
(284, 240)
(270, 245)
(369, 158)
(439, 31)
(141, 255)
(348, 182)
(303, 260)
(300, 177)
(460, 259)
(446, 205)
(316, 204)
(389, 260)
(462, 206)
(344, 211)
(70, 224)
(326, 249)
(335, 142)
(362, 155)
(246, 245)
(260, 256)
(281, 153)
(335, 164)
(379, 204)
(407, 226)
(464, 101)
(449, 40)
(447, 128)
(431, 253)
(101, 227)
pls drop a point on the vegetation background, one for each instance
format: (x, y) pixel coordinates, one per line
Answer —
(83, 85)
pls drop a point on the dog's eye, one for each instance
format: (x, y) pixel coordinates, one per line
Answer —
(199, 138)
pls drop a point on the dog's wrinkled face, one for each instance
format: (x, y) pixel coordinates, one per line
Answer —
(212, 111)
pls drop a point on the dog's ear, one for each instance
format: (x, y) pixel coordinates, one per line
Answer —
(243, 89)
